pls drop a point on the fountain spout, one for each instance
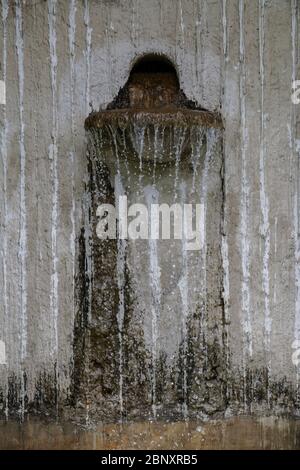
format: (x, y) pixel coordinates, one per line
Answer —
(153, 304)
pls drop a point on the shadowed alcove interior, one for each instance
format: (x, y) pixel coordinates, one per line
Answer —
(153, 82)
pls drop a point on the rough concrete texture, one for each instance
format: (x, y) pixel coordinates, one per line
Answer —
(59, 59)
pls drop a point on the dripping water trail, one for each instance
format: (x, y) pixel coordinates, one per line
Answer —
(224, 243)
(225, 297)
(88, 49)
(295, 156)
(202, 36)
(124, 154)
(275, 257)
(152, 196)
(224, 26)
(156, 136)
(121, 266)
(72, 34)
(184, 294)
(197, 141)
(139, 139)
(53, 156)
(178, 139)
(264, 202)
(198, 43)
(109, 36)
(5, 9)
(210, 139)
(180, 43)
(244, 209)
(23, 221)
(133, 31)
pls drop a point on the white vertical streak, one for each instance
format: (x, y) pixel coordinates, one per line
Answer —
(5, 8)
(88, 46)
(139, 139)
(245, 249)
(203, 275)
(275, 258)
(196, 145)
(152, 197)
(133, 31)
(53, 155)
(179, 138)
(203, 33)
(182, 27)
(184, 294)
(225, 267)
(2, 92)
(121, 265)
(110, 53)
(198, 42)
(295, 153)
(72, 33)
(210, 139)
(224, 244)
(155, 143)
(224, 27)
(23, 229)
(264, 202)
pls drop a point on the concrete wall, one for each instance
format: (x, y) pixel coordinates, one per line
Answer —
(238, 57)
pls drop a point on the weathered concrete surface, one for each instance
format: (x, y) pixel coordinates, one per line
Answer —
(237, 57)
